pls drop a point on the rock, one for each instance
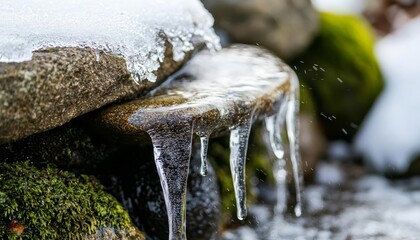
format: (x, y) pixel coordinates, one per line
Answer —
(284, 27)
(83, 58)
(342, 74)
(135, 182)
(69, 147)
(59, 84)
(54, 204)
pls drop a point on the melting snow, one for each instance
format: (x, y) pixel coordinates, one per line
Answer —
(371, 207)
(132, 29)
(341, 6)
(390, 137)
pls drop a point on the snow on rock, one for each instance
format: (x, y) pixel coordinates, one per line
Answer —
(390, 137)
(133, 29)
(341, 6)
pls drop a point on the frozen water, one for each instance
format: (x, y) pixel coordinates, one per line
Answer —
(226, 90)
(133, 29)
(293, 134)
(390, 137)
(239, 137)
(203, 153)
(286, 113)
(172, 151)
(274, 127)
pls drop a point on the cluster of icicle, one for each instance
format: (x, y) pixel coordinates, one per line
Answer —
(210, 89)
(133, 29)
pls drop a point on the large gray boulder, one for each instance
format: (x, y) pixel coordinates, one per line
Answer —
(60, 84)
(285, 27)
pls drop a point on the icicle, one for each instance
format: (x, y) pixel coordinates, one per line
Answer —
(293, 134)
(239, 137)
(204, 147)
(280, 175)
(274, 126)
(172, 150)
(97, 55)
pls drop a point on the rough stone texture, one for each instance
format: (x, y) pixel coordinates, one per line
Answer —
(285, 27)
(136, 184)
(69, 147)
(60, 84)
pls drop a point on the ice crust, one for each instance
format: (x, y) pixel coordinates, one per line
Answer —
(133, 29)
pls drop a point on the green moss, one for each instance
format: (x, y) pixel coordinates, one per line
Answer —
(54, 204)
(341, 72)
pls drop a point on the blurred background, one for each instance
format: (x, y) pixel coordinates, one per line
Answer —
(358, 62)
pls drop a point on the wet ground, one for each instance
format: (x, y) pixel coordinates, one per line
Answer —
(367, 207)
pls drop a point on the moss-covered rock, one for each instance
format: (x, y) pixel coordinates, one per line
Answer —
(341, 72)
(53, 204)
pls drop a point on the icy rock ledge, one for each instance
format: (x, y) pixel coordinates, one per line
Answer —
(228, 90)
(59, 61)
(137, 30)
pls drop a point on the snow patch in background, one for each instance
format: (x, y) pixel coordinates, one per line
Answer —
(390, 136)
(369, 208)
(328, 174)
(132, 29)
(340, 6)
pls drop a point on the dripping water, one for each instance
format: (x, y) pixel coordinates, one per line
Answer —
(287, 113)
(274, 127)
(239, 137)
(293, 133)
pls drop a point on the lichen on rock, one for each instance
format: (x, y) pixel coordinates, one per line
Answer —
(53, 204)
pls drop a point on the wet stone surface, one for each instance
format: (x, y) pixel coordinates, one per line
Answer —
(59, 84)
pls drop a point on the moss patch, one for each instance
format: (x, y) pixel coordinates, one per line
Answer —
(341, 72)
(53, 204)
